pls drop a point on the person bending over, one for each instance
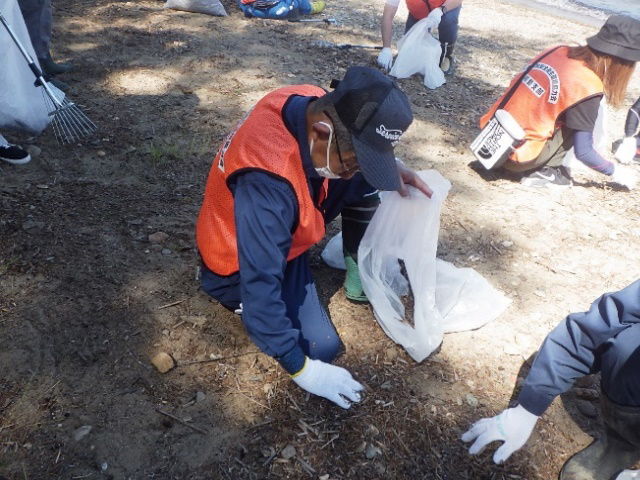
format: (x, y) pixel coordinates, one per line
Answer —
(300, 157)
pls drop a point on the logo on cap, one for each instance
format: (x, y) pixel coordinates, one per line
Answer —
(393, 135)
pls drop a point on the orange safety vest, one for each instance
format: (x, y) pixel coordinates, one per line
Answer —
(554, 84)
(419, 9)
(261, 142)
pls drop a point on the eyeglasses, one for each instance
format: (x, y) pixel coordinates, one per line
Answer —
(351, 163)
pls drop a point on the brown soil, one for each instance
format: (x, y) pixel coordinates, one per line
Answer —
(86, 300)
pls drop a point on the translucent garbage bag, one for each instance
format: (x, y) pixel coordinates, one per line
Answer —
(405, 228)
(22, 105)
(397, 256)
(419, 52)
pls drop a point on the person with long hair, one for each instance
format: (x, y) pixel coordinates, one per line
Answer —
(556, 101)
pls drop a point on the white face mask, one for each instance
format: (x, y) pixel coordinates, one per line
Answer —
(326, 170)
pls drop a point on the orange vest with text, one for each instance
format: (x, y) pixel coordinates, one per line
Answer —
(553, 85)
(419, 9)
(261, 142)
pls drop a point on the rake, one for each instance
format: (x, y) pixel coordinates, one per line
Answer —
(69, 123)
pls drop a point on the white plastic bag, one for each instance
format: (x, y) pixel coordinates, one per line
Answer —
(465, 299)
(405, 228)
(446, 298)
(22, 105)
(419, 52)
(208, 7)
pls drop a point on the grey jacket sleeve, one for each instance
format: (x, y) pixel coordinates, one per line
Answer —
(571, 349)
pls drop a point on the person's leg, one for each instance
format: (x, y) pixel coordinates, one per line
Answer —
(411, 21)
(551, 155)
(37, 17)
(356, 201)
(620, 401)
(12, 153)
(318, 337)
(448, 34)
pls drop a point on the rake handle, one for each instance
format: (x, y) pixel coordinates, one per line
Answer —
(40, 81)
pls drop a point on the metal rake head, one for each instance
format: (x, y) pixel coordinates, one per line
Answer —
(69, 123)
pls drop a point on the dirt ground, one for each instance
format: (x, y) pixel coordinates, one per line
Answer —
(86, 299)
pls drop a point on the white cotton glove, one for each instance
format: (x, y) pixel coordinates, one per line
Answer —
(385, 58)
(625, 176)
(629, 475)
(328, 381)
(513, 426)
(626, 150)
(435, 15)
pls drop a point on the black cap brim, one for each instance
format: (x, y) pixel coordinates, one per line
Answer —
(379, 168)
(620, 51)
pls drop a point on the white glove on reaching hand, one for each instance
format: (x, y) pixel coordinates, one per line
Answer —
(385, 59)
(626, 150)
(513, 426)
(328, 381)
(629, 475)
(625, 176)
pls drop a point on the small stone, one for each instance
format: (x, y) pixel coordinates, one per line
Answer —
(34, 151)
(101, 153)
(268, 452)
(200, 396)
(471, 400)
(522, 340)
(137, 221)
(507, 243)
(372, 430)
(158, 237)
(32, 227)
(324, 477)
(391, 353)
(288, 452)
(511, 349)
(587, 408)
(163, 362)
(166, 251)
(266, 388)
(362, 447)
(371, 451)
(458, 400)
(80, 433)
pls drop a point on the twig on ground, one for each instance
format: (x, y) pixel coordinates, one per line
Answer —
(172, 304)
(179, 420)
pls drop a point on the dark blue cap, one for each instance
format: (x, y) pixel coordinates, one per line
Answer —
(376, 113)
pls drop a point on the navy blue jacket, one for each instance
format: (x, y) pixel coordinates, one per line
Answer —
(575, 348)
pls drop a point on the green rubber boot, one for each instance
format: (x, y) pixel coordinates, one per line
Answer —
(352, 284)
(619, 449)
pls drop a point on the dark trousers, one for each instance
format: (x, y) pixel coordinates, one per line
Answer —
(620, 367)
(38, 18)
(448, 28)
(551, 155)
(318, 337)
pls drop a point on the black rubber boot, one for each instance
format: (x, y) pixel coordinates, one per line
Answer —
(52, 68)
(447, 60)
(619, 449)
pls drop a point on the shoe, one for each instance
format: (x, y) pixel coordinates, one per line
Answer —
(619, 449)
(352, 284)
(447, 60)
(59, 84)
(14, 155)
(52, 68)
(317, 7)
(548, 176)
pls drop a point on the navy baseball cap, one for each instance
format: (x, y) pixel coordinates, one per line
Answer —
(376, 113)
